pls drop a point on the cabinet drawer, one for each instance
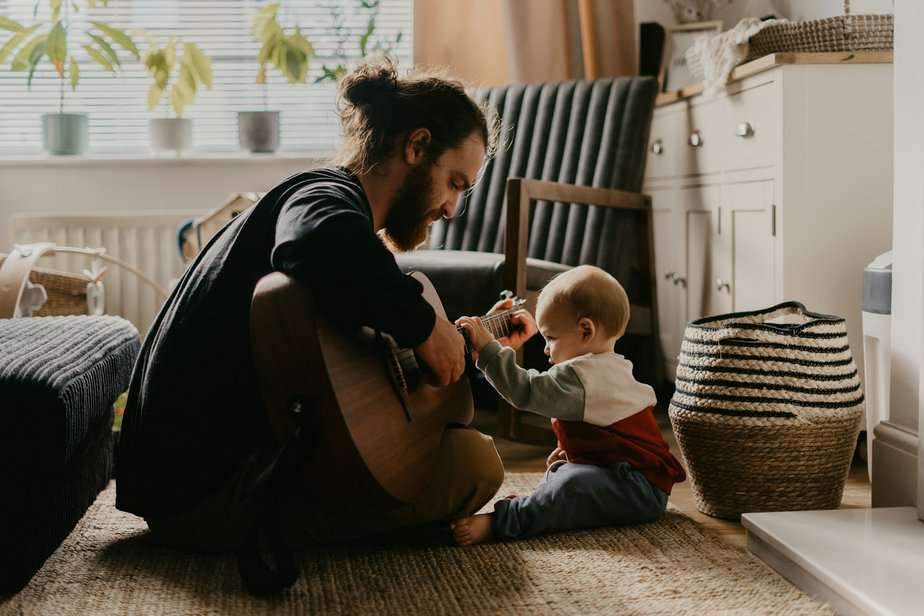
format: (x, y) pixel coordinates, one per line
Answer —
(664, 144)
(702, 139)
(750, 127)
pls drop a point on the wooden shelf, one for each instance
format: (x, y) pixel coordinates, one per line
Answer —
(779, 59)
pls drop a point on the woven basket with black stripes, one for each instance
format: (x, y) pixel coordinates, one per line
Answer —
(767, 413)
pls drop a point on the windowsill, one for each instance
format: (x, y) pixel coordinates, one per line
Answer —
(148, 158)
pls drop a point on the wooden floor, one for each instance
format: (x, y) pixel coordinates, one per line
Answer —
(518, 457)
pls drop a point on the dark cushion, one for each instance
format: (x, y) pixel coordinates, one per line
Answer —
(469, 282)
(58, 379)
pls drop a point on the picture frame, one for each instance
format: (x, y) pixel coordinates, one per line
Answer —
(675, 75)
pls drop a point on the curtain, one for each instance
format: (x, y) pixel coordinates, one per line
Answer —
(493, 42)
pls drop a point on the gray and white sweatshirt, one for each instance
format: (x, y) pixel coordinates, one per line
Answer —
(596, 388)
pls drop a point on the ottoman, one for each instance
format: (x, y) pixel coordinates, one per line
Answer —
(58, 379)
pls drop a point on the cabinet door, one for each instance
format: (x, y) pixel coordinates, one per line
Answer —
(749, 215)
(705, 252)
(670, 314)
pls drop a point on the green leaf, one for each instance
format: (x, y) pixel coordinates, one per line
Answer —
(34, 60)
(297, 40)
(170, 53)
(267, 50)
(74, 73)
(186, 83)
(15, 41)
(261, 75)
(331, 74)
(199, 63)
(154, 94)
(56, 46)
(107, 49)
(364, 39)
(99, 58)
(296, 65)
(55, 9)
(21, 61)
(176, 99)
(8, 24)
(118, 37)
(75, 7)
(264, 21)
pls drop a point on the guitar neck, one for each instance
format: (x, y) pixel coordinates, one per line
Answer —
(499, 323)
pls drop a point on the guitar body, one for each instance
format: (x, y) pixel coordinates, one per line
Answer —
(367, 428)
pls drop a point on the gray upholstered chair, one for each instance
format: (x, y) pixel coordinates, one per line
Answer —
(564, 190)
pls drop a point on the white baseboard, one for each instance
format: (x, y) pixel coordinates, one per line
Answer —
(895, 466)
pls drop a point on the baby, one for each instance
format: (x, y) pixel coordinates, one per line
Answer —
(611, 466)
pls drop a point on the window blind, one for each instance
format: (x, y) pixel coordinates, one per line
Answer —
(117, 105)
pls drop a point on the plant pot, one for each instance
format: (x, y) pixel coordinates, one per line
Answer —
(65, 133)
(258, 131)
(171, 134)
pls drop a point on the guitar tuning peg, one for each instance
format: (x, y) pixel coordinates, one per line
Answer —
(506, 294)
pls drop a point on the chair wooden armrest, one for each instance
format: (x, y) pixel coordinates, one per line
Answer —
(520, 191)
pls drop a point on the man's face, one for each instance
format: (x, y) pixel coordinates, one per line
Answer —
(430, 191)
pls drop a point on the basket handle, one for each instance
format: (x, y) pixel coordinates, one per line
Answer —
(14, 272)
(730, 330)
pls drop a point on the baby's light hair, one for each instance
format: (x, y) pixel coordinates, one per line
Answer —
(588, 291)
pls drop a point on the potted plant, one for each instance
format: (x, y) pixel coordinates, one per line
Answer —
(258, 131)
(368, 43)
(193, 70)
(63, 133)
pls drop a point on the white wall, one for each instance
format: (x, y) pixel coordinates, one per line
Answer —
(86, 185)
(658, 10)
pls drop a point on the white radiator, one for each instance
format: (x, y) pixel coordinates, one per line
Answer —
(146, 240)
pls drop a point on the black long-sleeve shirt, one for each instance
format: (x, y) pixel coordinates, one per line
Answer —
(194, 413)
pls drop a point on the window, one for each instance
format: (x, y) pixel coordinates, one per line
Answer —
(117, 105)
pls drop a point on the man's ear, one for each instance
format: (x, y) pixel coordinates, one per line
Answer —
(587, 327)
(415, 148)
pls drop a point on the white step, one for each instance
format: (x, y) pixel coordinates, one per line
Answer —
(860, 561)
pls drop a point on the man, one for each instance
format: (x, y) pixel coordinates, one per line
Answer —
(194, 427)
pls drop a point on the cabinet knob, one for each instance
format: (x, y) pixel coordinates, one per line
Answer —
(721, 285)
(670, 275)
(696, 139)
(744, 130)
(657, 147)
(680, 280)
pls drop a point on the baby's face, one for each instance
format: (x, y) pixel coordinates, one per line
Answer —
(563, 335)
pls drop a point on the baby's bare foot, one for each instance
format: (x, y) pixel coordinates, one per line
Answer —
(473, 529)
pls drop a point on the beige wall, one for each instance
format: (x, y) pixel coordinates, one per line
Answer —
(444, 32)
(494, 42)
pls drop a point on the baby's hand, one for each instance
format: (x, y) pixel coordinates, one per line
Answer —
(523, 324)
(477, 334)
(555, 456)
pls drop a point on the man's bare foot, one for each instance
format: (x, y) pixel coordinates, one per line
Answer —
(473, 529)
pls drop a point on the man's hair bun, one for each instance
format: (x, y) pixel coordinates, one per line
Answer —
(370, 84)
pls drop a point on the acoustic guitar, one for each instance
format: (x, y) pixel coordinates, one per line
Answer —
(364, 420)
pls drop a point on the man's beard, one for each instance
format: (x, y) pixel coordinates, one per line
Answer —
(410, 216)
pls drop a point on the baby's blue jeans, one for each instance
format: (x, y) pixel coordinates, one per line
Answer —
(574, 496)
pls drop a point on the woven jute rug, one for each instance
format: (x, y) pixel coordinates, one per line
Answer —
(673, 566)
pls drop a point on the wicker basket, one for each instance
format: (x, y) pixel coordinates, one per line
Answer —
(843, 33)
(67, 293)
(766, 415)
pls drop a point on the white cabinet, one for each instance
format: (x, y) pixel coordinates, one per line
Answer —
(779, 189)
